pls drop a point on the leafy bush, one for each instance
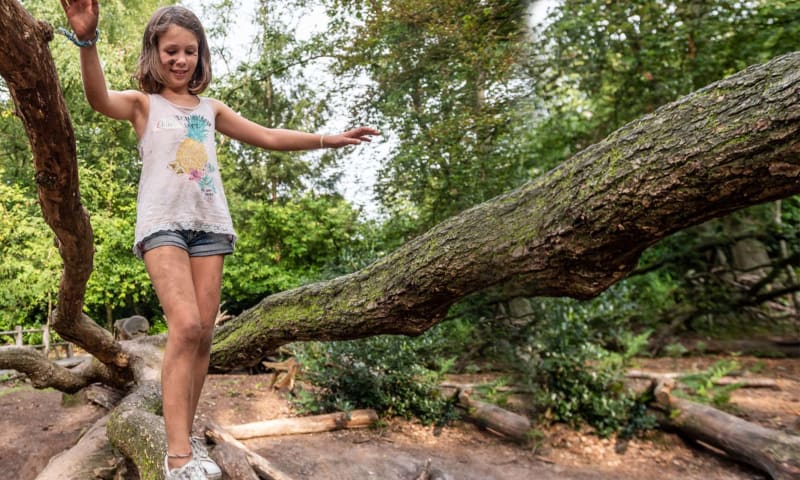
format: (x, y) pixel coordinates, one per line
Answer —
(575, 380)
(384, 373)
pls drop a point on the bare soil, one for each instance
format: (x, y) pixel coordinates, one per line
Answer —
(34, 425)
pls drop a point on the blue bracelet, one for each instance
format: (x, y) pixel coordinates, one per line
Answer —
(81, 43)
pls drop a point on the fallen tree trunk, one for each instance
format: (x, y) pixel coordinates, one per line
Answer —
(573, 232)
(300, 425)
(771, 451)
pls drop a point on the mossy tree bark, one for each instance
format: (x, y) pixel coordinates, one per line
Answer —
(573, 232)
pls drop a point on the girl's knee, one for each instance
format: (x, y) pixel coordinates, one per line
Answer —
(193, 332)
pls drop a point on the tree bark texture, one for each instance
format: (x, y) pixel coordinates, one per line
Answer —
(91, 458)
(42, 372)
(772, 451)
(29, 71)
(261, 465)
(574, 232)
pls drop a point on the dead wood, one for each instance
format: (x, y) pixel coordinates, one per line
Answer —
(261, 465)
(772, 451)
(233, 462)
(30, 74)
(473, 386)
(92, 457)
(300, 425)
(496, 419)
(772, 347)
(285, 381)
(743, 382)
(41, 371)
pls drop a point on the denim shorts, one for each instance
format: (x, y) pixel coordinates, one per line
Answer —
(197, 244)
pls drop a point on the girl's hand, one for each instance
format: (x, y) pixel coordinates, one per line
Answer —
(350, 137)
(82, 16)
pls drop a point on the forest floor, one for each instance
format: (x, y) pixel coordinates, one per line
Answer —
(34, 425)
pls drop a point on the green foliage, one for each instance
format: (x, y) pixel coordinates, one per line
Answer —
(577, 381)
(282, 245)
(441, 81)
(30, 265)
(702, 387)
(384, 373)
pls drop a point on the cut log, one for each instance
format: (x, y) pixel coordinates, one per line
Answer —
(233, 462)
(299, 425)
(496, 419)
(772, 451)
(261, 465)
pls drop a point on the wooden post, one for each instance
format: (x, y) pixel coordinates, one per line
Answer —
(18, 336)
(69, 350)
(46, 340)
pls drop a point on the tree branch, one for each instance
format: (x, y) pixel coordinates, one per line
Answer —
(42, 372)
(573, 232)
(29, 71)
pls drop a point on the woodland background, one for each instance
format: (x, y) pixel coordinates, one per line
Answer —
(474, 101)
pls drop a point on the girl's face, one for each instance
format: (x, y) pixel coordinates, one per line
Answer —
(178, 50)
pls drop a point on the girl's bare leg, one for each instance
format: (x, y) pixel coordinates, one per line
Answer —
(207, 279)
(170, 270)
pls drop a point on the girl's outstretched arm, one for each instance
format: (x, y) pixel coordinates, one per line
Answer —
(233, 125)
(82, 16)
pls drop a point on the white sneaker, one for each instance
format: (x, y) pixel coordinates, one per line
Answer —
(199, 452)
(190, 471)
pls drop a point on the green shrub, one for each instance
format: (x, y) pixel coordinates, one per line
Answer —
(385, 373)
(576, 381)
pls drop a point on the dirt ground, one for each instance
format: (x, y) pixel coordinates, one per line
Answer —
(35, 424)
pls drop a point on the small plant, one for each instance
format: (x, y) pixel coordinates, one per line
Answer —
(703, 388)
(675, 350)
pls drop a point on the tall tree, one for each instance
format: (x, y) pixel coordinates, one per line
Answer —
(441, 78)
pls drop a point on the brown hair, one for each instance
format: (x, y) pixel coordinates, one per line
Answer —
(148, 70)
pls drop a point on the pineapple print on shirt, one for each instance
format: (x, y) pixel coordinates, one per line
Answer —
(191, 158)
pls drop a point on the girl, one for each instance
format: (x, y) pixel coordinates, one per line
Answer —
(183, 227)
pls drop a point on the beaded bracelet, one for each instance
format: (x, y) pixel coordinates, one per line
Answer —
(81, 43)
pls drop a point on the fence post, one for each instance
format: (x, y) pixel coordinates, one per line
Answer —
(18, 336)
(46, 340)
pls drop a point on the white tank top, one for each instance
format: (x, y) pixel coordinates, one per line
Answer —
(180, 187)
